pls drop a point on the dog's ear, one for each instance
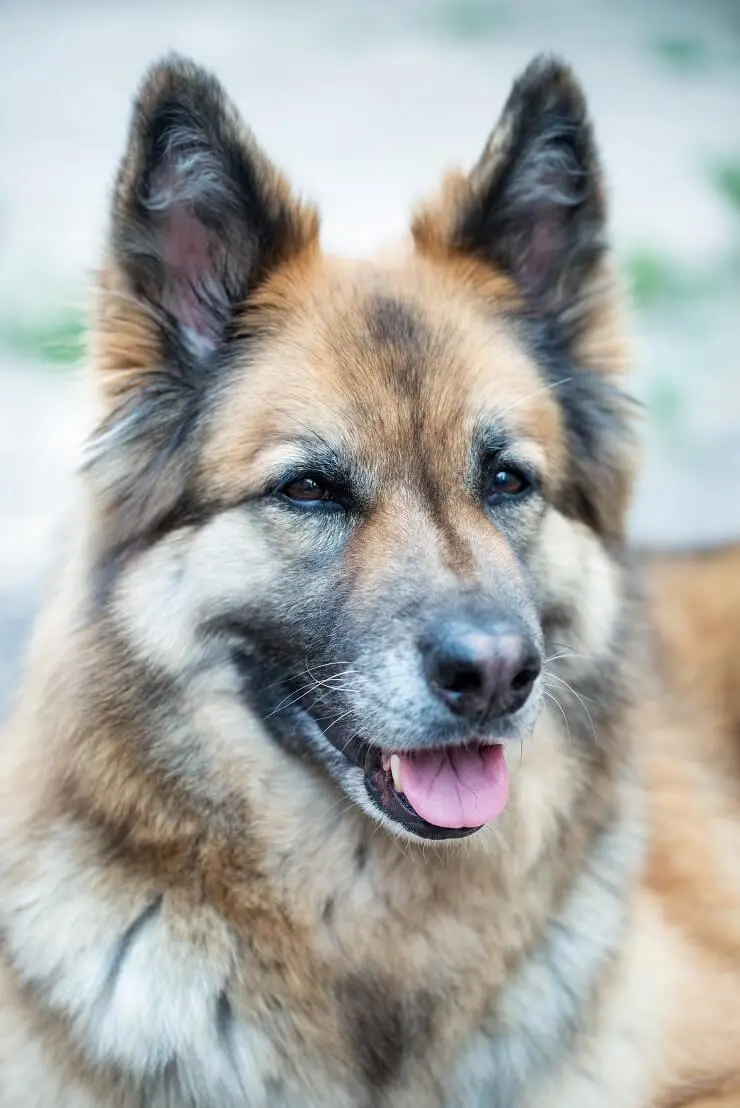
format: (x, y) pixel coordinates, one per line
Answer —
(200, 219)
(533, 207)
(200, 216)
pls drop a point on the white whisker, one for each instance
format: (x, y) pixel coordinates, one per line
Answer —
(580, 700)
(536, 392)
(559, 706)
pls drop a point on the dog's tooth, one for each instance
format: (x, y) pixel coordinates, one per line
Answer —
(396, 772)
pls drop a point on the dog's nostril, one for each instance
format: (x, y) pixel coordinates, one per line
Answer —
(459, 679)
(525, 677)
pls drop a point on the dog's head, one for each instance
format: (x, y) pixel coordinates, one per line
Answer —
(379, 499)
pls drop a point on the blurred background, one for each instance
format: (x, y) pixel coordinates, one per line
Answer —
(364, 103)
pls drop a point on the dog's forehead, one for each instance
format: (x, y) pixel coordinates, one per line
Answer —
(381, 360)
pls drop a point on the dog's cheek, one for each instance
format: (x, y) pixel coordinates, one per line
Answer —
(577, 585)
(170, 591)
(269, 575)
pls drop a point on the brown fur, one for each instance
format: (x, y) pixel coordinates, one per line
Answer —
(199, 906)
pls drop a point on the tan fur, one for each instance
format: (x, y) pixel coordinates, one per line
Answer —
(190, 914)
(708, 585)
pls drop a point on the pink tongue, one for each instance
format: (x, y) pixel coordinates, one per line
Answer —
(460, 787)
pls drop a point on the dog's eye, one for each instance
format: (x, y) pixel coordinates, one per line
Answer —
(504, 482)
(307, 490)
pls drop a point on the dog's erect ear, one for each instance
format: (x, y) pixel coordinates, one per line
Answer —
(200, 216)
(533, 207)
(200, 220)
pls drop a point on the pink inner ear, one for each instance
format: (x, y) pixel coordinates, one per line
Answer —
(541, 253)
(193, 294)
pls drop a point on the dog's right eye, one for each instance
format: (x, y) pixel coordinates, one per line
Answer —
(309, 489)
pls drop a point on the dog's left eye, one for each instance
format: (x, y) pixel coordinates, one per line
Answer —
(504, 482)
(308, 490)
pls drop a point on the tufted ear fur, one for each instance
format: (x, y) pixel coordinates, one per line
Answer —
(200, 220)
(533, 207)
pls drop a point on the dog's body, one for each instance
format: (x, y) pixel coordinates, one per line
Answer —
(215, 890)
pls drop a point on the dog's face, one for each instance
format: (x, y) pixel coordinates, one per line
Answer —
(381, 497)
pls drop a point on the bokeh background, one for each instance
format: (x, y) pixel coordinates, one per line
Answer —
(364, 103)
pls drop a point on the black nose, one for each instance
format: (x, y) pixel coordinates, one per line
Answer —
(481, 673)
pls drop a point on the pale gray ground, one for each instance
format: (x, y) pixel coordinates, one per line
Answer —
(363, 103)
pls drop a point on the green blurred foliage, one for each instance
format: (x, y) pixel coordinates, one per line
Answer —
(725, 177)
(467, 21)
(682, 53)
(54, 342)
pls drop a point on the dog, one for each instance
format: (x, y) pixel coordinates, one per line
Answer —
(359, 760)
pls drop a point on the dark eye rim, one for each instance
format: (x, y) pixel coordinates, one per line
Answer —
(333, 499)
(493, 497)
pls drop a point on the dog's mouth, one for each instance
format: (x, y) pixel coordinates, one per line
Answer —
(441, 793)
